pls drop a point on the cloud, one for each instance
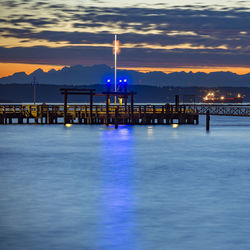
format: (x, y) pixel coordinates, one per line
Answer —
(153, 26)
(128, 57)
(11, 3)
(214, 35)
(35, 22)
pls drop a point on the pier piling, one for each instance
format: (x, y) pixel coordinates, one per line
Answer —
(116, 117)
(207, 120)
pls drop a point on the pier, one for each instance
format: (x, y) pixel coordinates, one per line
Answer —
(97, 114)
(115, 114)
(125, 112)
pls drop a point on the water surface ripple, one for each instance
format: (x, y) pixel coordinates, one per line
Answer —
(135, 188)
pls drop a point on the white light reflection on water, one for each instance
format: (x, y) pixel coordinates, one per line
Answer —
(150, 132)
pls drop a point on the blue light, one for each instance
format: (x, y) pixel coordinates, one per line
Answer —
(108, 83)
(125, 80)
(120, 80)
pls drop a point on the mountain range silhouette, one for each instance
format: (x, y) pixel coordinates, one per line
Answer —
(96, 74)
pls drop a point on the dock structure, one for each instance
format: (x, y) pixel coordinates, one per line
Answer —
(122, 113)
(97, 114)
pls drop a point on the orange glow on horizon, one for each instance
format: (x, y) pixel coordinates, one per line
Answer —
(7, 69)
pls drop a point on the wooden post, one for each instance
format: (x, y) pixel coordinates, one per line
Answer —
(79, 117)
(171, 109)
(132, 108)
(46, 118)
(107, 109)
(20, 119)
(37, 114)
(144, 120)
(85, 115)
(73, 115)
(162, 110)
(30, 113)
(126, 102)
(53, 114)
(91, 107)
(96, 114)
(207, 120)
(197, 119)
(1, 119)
(65, 106)
(153, 119)
(41, 114)
(177, 102)
(116, 117)
(162, 115)
(167, 108)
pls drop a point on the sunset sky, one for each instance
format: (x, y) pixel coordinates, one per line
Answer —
(155, 35)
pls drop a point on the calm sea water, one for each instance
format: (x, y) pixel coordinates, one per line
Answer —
(137, 187)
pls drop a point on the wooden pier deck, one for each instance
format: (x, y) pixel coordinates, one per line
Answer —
(97, 114)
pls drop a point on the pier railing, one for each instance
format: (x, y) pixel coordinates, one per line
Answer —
(220, 109)
(34, 110)
(214, 109)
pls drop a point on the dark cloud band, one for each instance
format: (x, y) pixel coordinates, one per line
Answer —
(128, 57)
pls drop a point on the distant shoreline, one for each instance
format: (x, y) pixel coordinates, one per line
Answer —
(23, 93)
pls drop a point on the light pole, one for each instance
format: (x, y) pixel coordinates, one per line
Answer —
(115, 62)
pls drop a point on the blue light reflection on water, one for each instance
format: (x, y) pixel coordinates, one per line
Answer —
(117, 167)
(138, 187)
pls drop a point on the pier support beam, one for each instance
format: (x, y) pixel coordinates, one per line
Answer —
(107, 109)
(116, 117)
(177, 103)
(1, 119)
(65, 106)
(197, 119)
(20, 120)
(207, 121)
(91, 107)
(132, 109)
